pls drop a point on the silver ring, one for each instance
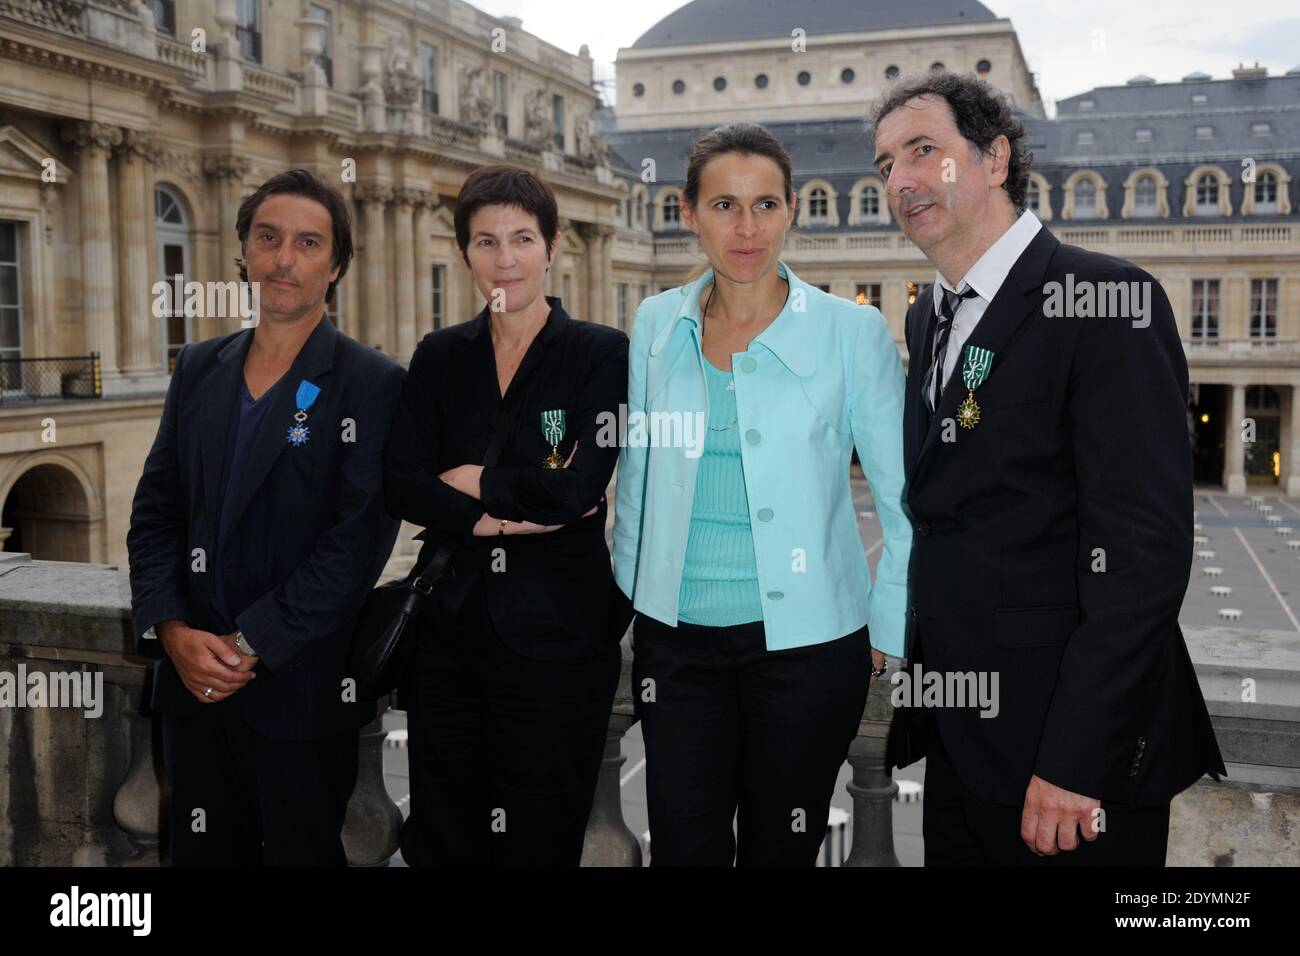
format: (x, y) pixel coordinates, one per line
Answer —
(208, 692)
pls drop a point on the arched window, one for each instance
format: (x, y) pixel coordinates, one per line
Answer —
(1085, 199)
(1145, 191)
(172, 265)
(672, 211)
(1207, 195)
(1266, 192)
(817, 204)
(869, 203)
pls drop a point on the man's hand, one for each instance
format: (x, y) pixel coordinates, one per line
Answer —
(204, 660)
(1052, 817)
(246, 662)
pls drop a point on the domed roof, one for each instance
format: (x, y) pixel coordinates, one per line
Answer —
(717, 21)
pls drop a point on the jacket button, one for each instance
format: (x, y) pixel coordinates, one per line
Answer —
(765, 514)
(753, 437)
(776, 595)
(923, 527)
(747, 364)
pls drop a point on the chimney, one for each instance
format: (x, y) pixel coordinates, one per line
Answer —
(1255, 72)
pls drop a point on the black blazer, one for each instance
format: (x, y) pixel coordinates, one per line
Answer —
(1082, 445)
(308, 534)
(550, 595)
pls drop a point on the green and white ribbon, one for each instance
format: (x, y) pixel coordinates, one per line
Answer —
(975, 366)
(553, 426)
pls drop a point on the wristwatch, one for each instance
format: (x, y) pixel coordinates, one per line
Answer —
(244, 647)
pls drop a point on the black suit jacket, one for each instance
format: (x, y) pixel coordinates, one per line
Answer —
(1080, 456)
(551, 595)
(308, 534)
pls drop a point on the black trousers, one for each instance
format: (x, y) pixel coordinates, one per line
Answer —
(241, 799)
(959, 829)
(504, 749)
(733, 730)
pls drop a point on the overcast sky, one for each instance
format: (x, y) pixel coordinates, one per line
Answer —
(1165, 39)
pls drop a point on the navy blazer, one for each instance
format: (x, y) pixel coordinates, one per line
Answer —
(308, 534)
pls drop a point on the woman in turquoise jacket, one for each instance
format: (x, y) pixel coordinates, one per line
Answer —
(758, 628)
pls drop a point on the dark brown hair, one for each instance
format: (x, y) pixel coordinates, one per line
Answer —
(981, 113)
(503, 185)
(300, 182)
(747, 139)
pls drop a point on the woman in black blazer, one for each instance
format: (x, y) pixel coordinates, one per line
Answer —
(517, 659)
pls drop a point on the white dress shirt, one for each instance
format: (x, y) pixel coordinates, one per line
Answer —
(985, 277)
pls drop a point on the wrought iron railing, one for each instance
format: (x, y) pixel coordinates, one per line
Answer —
(50, 379)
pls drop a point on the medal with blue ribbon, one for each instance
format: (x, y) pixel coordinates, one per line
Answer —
(298, 431)
(975, 366)
(553, 432)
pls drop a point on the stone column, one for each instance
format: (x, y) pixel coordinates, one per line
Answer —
(404, 315)
(873, 792)
(424, 267)
(1234, 450)
(598, 238)
(93, 141)
(1289, 480)
(372, 324)
(140, 354)
(229, 173)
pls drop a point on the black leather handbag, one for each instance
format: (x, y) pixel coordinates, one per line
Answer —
(382, 640)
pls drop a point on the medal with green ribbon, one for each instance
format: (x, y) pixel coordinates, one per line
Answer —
(553, 432)
(974, 370)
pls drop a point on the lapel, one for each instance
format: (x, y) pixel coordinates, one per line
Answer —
(313, 362)
(918, 365)
(1019, 297)
(478, 330)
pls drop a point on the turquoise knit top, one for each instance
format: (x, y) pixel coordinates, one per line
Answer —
(720, 573)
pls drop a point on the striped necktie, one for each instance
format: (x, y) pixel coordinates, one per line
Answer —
(947, 310)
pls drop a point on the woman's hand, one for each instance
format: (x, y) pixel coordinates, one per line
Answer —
(877, 662)
(465, 479)
(488, 526)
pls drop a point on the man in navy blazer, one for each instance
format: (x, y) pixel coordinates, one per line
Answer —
(257, 530)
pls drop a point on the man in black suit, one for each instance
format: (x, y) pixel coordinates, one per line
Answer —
(1049, 485)
(257, 530)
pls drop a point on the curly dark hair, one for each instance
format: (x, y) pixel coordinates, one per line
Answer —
(982, 115)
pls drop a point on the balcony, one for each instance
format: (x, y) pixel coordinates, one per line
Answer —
(94, 797)
(31, 380)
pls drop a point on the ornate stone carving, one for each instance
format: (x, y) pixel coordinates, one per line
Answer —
(136, 142)
(226, 167)
(475, 103)
(372, 193)
(538, 124)
(83, 134)
(401, 81)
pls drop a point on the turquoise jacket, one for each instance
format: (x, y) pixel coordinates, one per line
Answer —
(822, 378)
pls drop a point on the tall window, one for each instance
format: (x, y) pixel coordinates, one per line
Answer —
(1207, 195)
(172, 263)
(868, 293)
(817, 205)
(869, 203)
(672, 211)
(429, 77)
(11, 307)
(1085, 199)
(164, 15)
(915, 289)
(1144, 195)
(499, 98)
(334, 310)
(1032, 197)
(326, 58)
(1266, 192)
(622, 306)
(640, 210)
(643, 292)
(248, 30)
(439, 293)
(1263, 308)
(557, 117)
(1205, 308)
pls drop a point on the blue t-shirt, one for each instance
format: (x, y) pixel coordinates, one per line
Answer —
(239, 440)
